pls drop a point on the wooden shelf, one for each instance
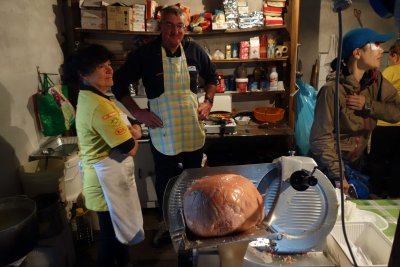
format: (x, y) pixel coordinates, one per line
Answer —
(227, 61)
(206, 33)
(237, 60)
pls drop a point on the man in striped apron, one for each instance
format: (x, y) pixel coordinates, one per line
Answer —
(169, 68)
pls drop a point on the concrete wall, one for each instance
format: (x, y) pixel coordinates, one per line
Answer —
(29, 38)
(325, 23)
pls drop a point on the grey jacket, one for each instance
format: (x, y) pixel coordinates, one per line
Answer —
(355, 126)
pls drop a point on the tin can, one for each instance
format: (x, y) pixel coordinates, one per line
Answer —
(220, 83)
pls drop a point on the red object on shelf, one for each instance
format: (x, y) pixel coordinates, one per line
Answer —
(269, 114)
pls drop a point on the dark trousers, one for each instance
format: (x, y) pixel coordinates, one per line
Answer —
(384, 161)
(110, 250)
(167, 167)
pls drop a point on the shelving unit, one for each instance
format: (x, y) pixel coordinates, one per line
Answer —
(286, 64)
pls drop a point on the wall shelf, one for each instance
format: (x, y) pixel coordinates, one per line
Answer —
(250, 60)
(206, 33)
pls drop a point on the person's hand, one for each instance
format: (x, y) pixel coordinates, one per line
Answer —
(136, 131)
(355, 102)
(204, 110)
(345, 186)
(149, 118)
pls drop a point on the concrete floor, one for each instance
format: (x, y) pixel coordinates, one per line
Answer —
(143, 254)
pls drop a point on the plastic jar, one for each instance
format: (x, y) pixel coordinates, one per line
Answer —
(241, 84)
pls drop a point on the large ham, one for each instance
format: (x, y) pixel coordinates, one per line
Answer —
(222, 204)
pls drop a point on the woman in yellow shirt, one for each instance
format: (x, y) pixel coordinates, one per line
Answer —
(105, 138)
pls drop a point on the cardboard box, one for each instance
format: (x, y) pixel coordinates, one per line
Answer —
(120, 18)
(139, 27)
(139, 8)
(138, 19)
(91, 3)
(94, 19)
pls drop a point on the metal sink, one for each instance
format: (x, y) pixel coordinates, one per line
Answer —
(59, 147)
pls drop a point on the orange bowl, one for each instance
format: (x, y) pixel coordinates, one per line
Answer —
(270, 115)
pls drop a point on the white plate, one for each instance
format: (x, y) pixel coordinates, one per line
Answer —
(369, 216)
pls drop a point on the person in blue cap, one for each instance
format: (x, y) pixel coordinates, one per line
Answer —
(365, 96)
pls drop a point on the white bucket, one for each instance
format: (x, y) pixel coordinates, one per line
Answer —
(73, 178)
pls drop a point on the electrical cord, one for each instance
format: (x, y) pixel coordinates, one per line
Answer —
(337, 129)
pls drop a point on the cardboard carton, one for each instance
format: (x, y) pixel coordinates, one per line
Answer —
(120, 18)
(94, 19)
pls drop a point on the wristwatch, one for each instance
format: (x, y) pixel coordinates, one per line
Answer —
(367, 107)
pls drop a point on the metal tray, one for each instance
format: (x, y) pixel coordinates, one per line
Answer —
(58, 147)
(182, 237)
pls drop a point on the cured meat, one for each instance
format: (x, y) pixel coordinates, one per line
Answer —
(222, 204)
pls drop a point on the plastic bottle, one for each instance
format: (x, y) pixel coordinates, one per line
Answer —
(241, 71)
(273, 79)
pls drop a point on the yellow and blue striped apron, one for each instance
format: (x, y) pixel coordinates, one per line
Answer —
(177, 108)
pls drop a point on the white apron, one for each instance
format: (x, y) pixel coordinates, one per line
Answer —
(116, 176)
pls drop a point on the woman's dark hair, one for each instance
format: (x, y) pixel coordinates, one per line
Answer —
(395, 49)
(343, 66)
(84, 61)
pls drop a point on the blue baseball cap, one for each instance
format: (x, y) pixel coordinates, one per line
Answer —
(357, 38)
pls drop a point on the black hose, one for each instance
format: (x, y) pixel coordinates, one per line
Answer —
(337, 129)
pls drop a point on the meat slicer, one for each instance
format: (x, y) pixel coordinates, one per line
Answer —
(300, 206)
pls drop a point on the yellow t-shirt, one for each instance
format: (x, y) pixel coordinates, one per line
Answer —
(392, 74)
(99, 128)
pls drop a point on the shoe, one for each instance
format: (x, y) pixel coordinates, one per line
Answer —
(162, 237)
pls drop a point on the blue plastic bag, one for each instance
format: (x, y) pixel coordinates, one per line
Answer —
(306, 99)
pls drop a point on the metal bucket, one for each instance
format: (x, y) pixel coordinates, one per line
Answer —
(18, 228)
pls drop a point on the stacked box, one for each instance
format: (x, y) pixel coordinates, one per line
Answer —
(244, 49)
(119, 18)
(93, 15)
(94, 19)
(139, 14)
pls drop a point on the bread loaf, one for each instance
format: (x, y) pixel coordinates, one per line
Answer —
(222, 204)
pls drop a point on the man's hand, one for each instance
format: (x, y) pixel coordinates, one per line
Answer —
(136, 131)
(147, 117)
(355, 102)
(204, 110)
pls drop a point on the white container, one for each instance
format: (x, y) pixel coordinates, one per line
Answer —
(73, 178)
(273, 79)
(365, 236)
(242, 120)
(241, 84)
